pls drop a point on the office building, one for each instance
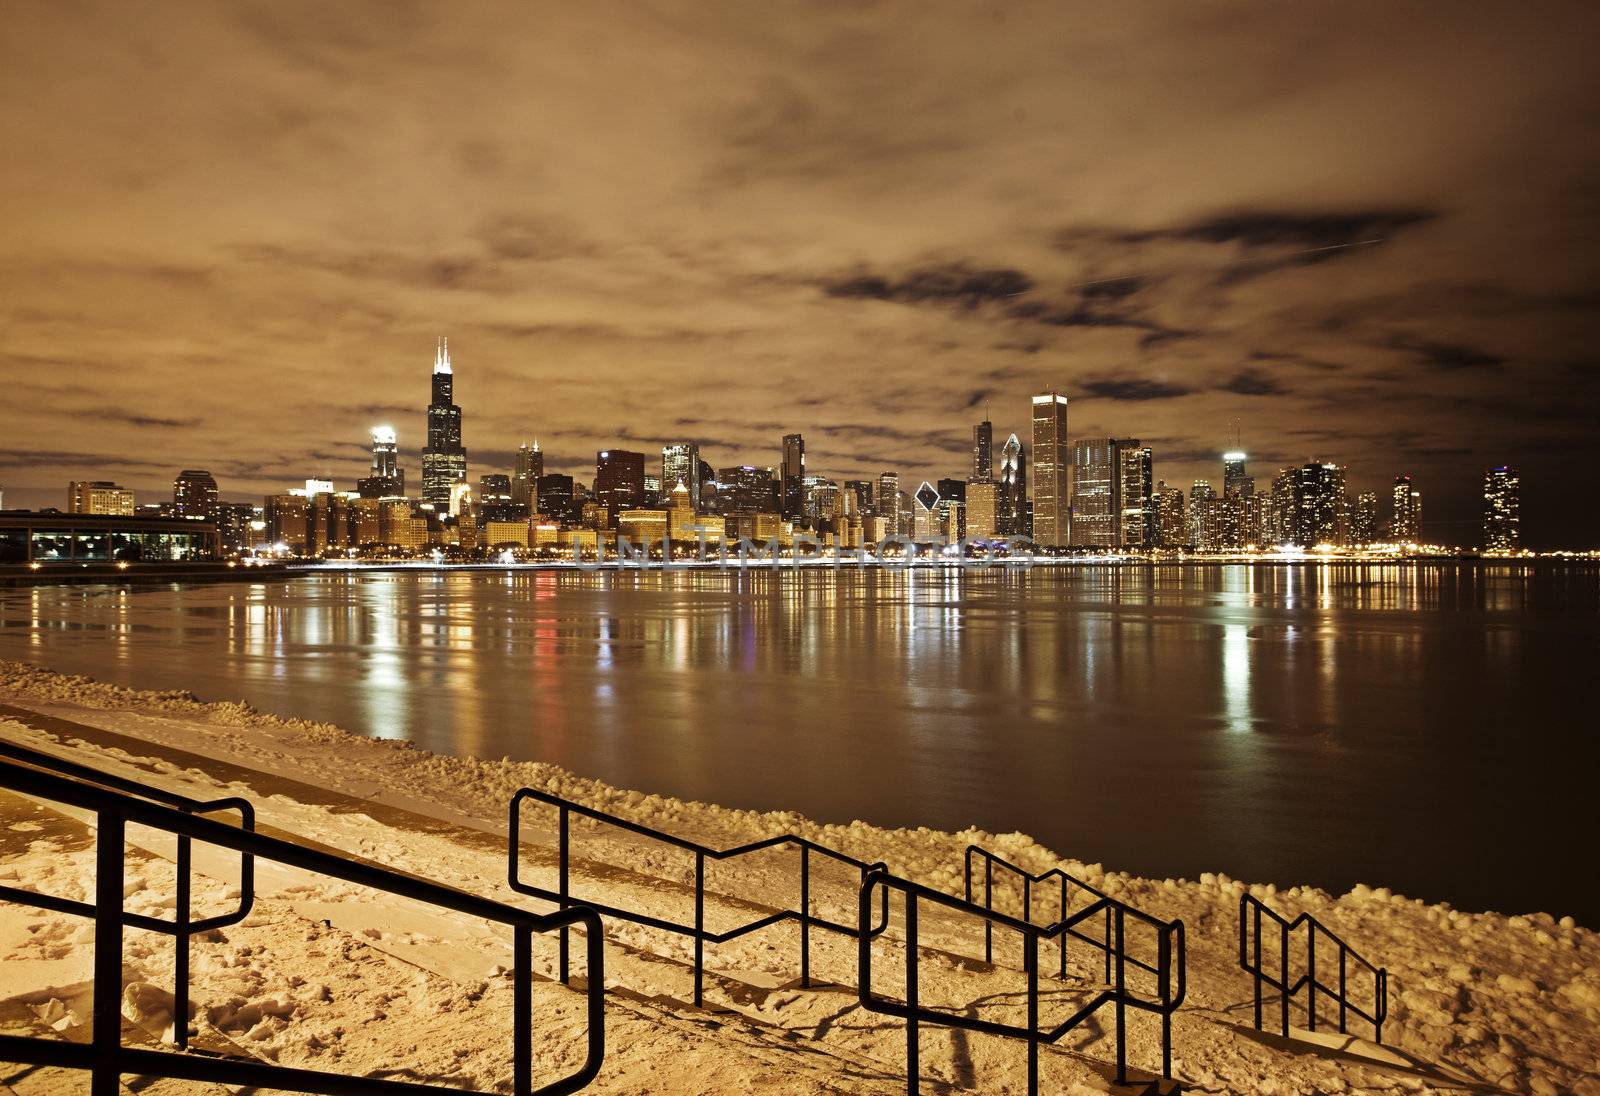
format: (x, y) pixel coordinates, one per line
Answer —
(791, 478)
(1052, 459)
(1502, 510)
(1096, 478)
(1011, 506)
(1404, 503)
(99, 497)
(982, 510)
(885, 502)
(983, 452)
(525, 475)
(1320, 510)
(444, 459)
(1135, 513)
(1172, 530)
(618, 482)
(748, 490)
(680, 463)
(194, 494)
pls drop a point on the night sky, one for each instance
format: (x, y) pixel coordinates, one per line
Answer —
(1363, 232)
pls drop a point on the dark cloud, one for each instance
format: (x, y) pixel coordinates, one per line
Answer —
(1135, 389)
(951, 283)
(1275, 229)
(1252, 382)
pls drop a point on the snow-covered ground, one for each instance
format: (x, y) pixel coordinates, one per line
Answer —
(329, 976)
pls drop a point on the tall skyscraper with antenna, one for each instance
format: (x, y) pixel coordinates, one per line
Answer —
(444, 460)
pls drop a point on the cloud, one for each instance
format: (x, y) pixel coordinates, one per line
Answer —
(1252, 382)
(1137, 390)
(947, 283)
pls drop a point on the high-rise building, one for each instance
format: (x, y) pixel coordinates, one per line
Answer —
(792, 474)
(288, 528)
(1235, 481)
(444, 459)
(1171, 530)
(982, 509)
(822, 505)
(99, 497)
(386, 480)
(525, 477)
(194, 494)
(1052, 514)
(925, 511)
(748, 490)
(1011, 509)
(1280, 509)
(862, 492)
(554, 496)
(1364, 519)
(1403, 524)
(1136, 514)
(983, 452)
(680, 463)
(1319, 505)
(1096, 480)
(618, 482)
(1502, 510)
(885, 501)
(1205, 530)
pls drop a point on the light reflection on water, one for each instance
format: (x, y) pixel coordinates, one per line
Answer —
(1422, 727)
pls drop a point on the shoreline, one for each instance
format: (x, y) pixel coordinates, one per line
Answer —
(1508, 1001)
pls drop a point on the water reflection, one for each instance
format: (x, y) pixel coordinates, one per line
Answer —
(1280, 722)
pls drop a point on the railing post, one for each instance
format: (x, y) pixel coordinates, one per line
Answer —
(1164, 963)
(1382, 1001)
(1341, 989)
(1108, 944)
(107, 1007)
(522, 1010)
(699, 925)
(1311, 975)
(1027, 911)
(180, 951)
(1122, 1009)
(805, 916)
(1064, 932)
(1283, 967)
(988, 904)
(913, 1066)
(1031, 961)
(1255, 909)
(564, 854)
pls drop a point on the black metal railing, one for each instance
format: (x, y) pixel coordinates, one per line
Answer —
(180, 928)
(702, 936)
(1251, 911)
(116, 803)
(1169, 971)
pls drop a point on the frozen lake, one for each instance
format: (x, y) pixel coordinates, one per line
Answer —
(1428, 728)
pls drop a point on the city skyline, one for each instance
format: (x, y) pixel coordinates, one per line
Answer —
(1377, 254)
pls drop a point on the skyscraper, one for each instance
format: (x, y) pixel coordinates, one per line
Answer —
(748, 490)
(1319, 504)
(680, 463)
(1095, 483)
(444, 460)
(194, 494)
(1136, 513)
(385, 480)
(983, 452)
(1052, 516)
(1364, 521)
(1234, 479)
(1402, 515)
(1171, 531)
(885, 502)
(792, 475)
(618, 482)
(1502, 510)
(982, 509)
(1011, 508)
(525, 476)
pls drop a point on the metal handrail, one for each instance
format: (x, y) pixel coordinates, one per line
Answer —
(105, 1055)
(180, 928)
(1170, 971)
(702, 853)
(1029, 880)
(1250, 962)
